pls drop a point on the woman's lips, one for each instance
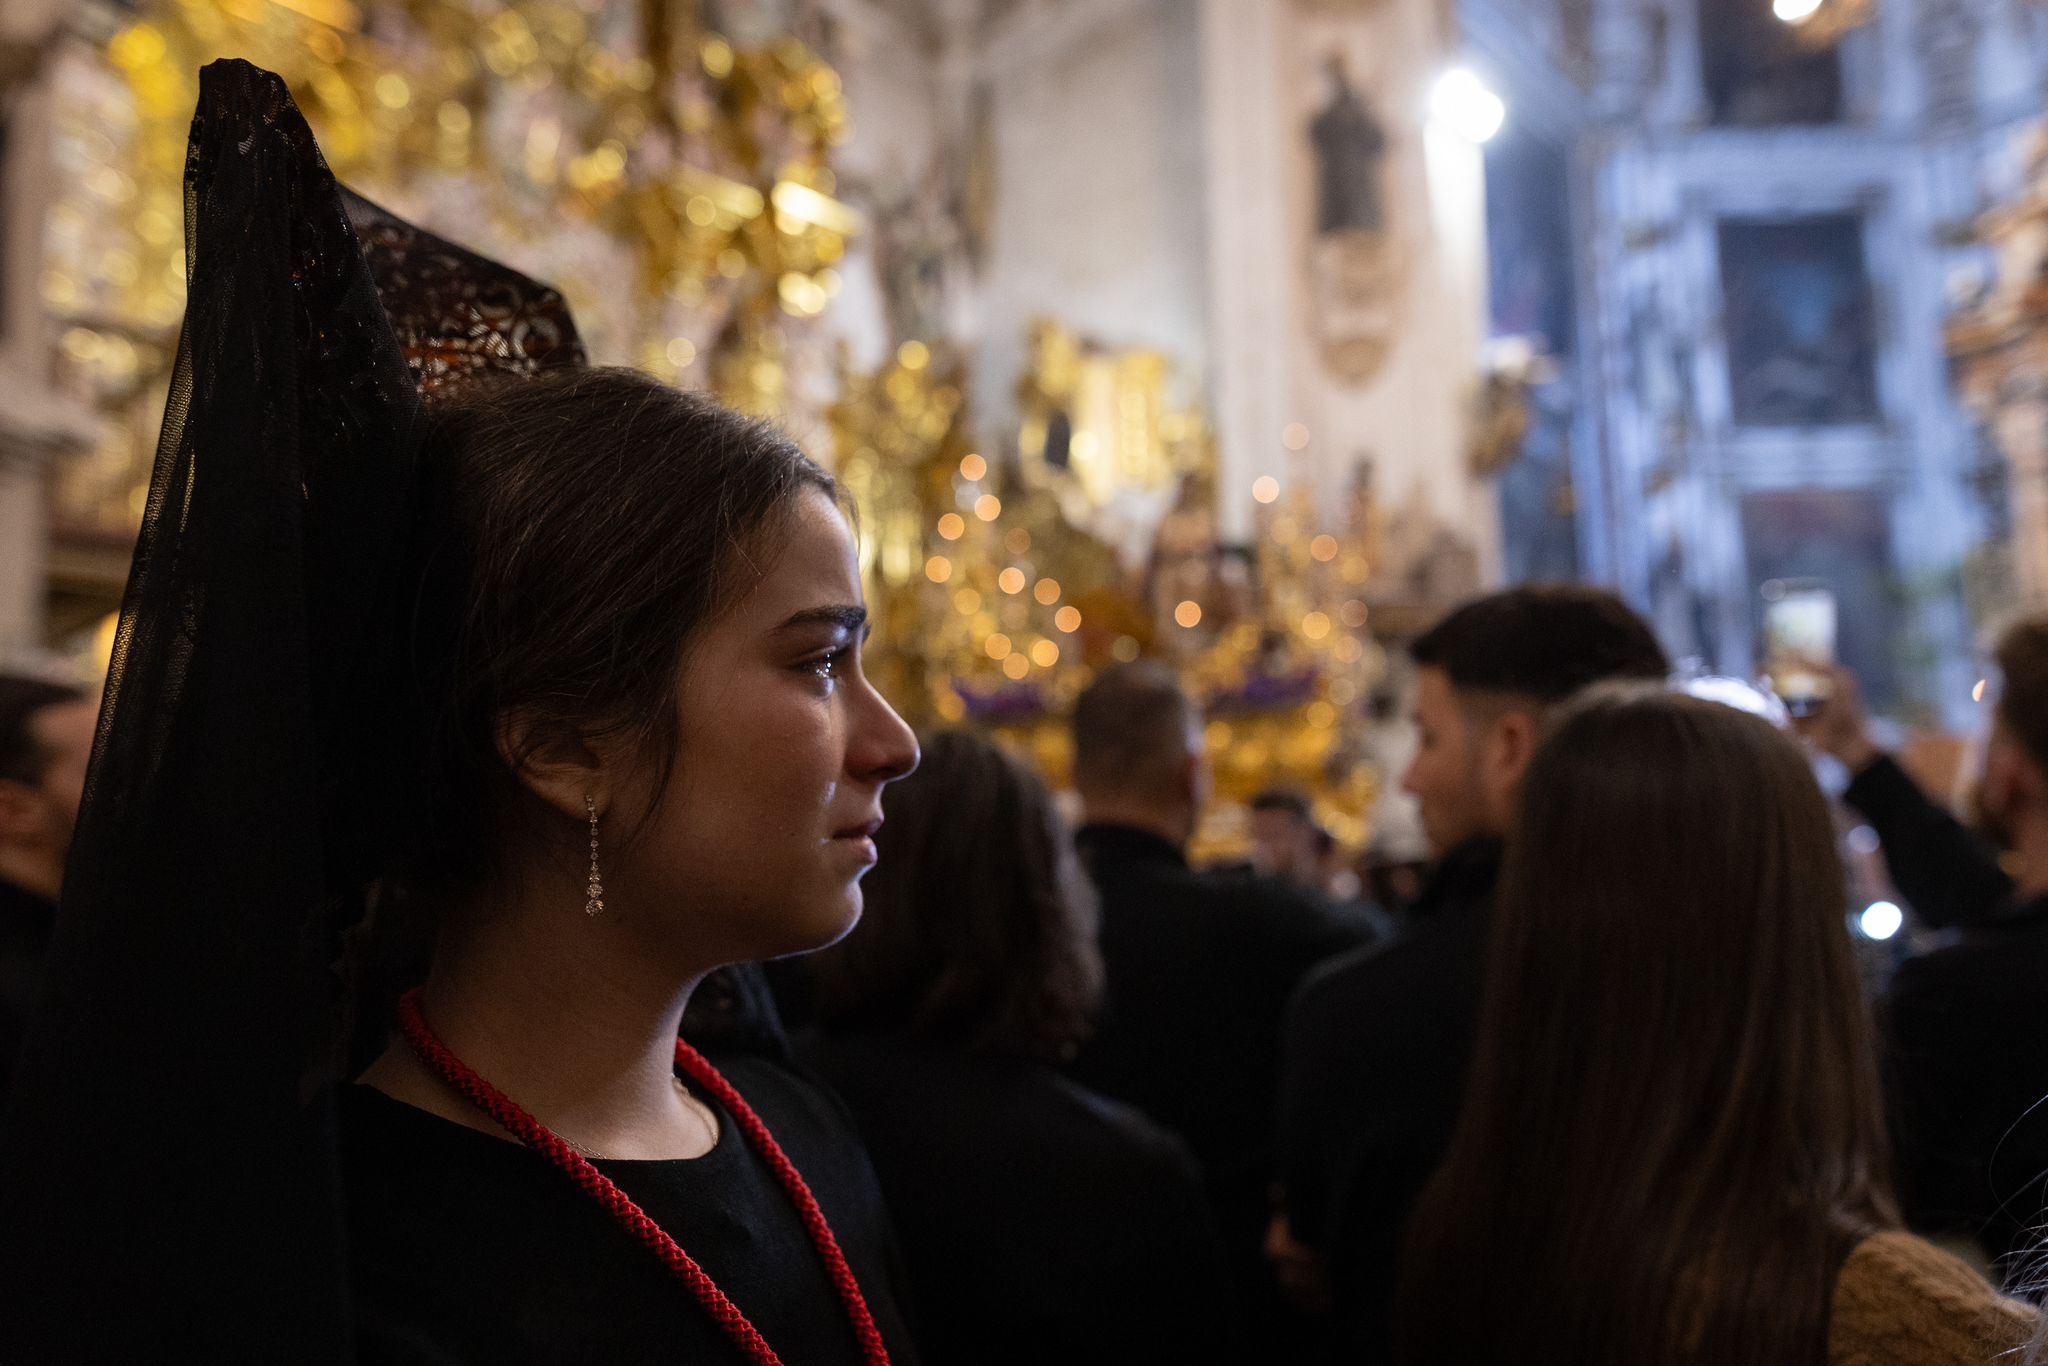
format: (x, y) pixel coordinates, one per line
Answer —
(862, 838)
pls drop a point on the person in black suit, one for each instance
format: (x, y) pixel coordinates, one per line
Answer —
(1040, 1221)
(1964, 1087)
(1199, 965)
(1377, 1042)
(46, 732)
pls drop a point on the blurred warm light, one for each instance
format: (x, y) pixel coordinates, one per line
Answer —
(1880, 920)
(1189, 613)
(1323, 548)
(952, 526)
(1977, 693)
(1796, 11)
(1125, 649)
(1315, 626)
(911, 355)
(681, 352)
(998, 646)
(1352, 613)
(1463, 103)
(967, 602)
(1016, 666)
(973, 467)
(1294, 436)
(1068, 619)
(1265, 488)
(1017, 541)
(1011, 580)
(1045, 654)
(988, 507)
(1047, 591)
(938, 569)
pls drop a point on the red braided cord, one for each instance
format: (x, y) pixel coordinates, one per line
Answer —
(530, 1131)
(705, 1075)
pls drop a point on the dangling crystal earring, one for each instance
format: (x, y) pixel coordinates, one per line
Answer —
(596, 888)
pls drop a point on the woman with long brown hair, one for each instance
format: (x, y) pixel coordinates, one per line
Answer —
(1672, 1145)
(1039, 1220)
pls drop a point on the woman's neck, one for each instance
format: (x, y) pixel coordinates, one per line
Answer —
(579, 1034)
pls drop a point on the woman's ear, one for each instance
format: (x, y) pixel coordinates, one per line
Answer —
(554, 763)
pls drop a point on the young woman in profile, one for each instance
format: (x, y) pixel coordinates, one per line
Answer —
(674, 709)
(565, 660)
(1040, 1222)
(1671, 1147)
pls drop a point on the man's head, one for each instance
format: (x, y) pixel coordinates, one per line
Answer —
(1286, 841)
(46, 732)
(1485, 677)
(2013, 793)
(1138, 751)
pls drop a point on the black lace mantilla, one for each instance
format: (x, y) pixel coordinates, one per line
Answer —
(168, 1185)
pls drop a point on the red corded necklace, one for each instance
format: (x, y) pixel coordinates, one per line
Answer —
(537, 1136)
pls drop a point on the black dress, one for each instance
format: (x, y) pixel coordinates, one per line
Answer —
(1040, 1222)
(26, 921)
(465, 1247)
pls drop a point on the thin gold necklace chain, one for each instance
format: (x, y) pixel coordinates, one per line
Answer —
(703, 1113)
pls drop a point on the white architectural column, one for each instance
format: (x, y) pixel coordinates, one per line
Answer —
(1250, 295)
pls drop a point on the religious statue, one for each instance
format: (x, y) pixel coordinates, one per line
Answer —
(1355, 263)
(1351, 152)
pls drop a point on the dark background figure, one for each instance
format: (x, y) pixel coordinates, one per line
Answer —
(1965, 1092)
(1290, 845)
(1284, 843)
(1199, 965)
(46, 732)
(1377, 1042)
(1672, 1146)
(1039, 1220)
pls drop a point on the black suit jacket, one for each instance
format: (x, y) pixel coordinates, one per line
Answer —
(1943, 870)
(1199, 969)
(1964, 1081)
(1376, 1051)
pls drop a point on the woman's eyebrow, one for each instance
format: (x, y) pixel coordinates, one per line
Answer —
(845, 618)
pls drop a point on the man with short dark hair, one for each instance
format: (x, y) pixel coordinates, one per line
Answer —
(1198, 966)
(1377, 1042)
(1962, 1081)
(46, 733)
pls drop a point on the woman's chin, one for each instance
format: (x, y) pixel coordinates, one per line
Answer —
(825, 926)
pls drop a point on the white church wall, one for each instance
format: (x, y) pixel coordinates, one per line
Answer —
(1100, 189)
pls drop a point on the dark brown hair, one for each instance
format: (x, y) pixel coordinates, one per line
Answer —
(1131, 725)
(2022, 657)
(979, 930)
(1542, 641)
(1672, 1132)
(577, 530)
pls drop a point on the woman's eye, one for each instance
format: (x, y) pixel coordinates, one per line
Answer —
(827, 667)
